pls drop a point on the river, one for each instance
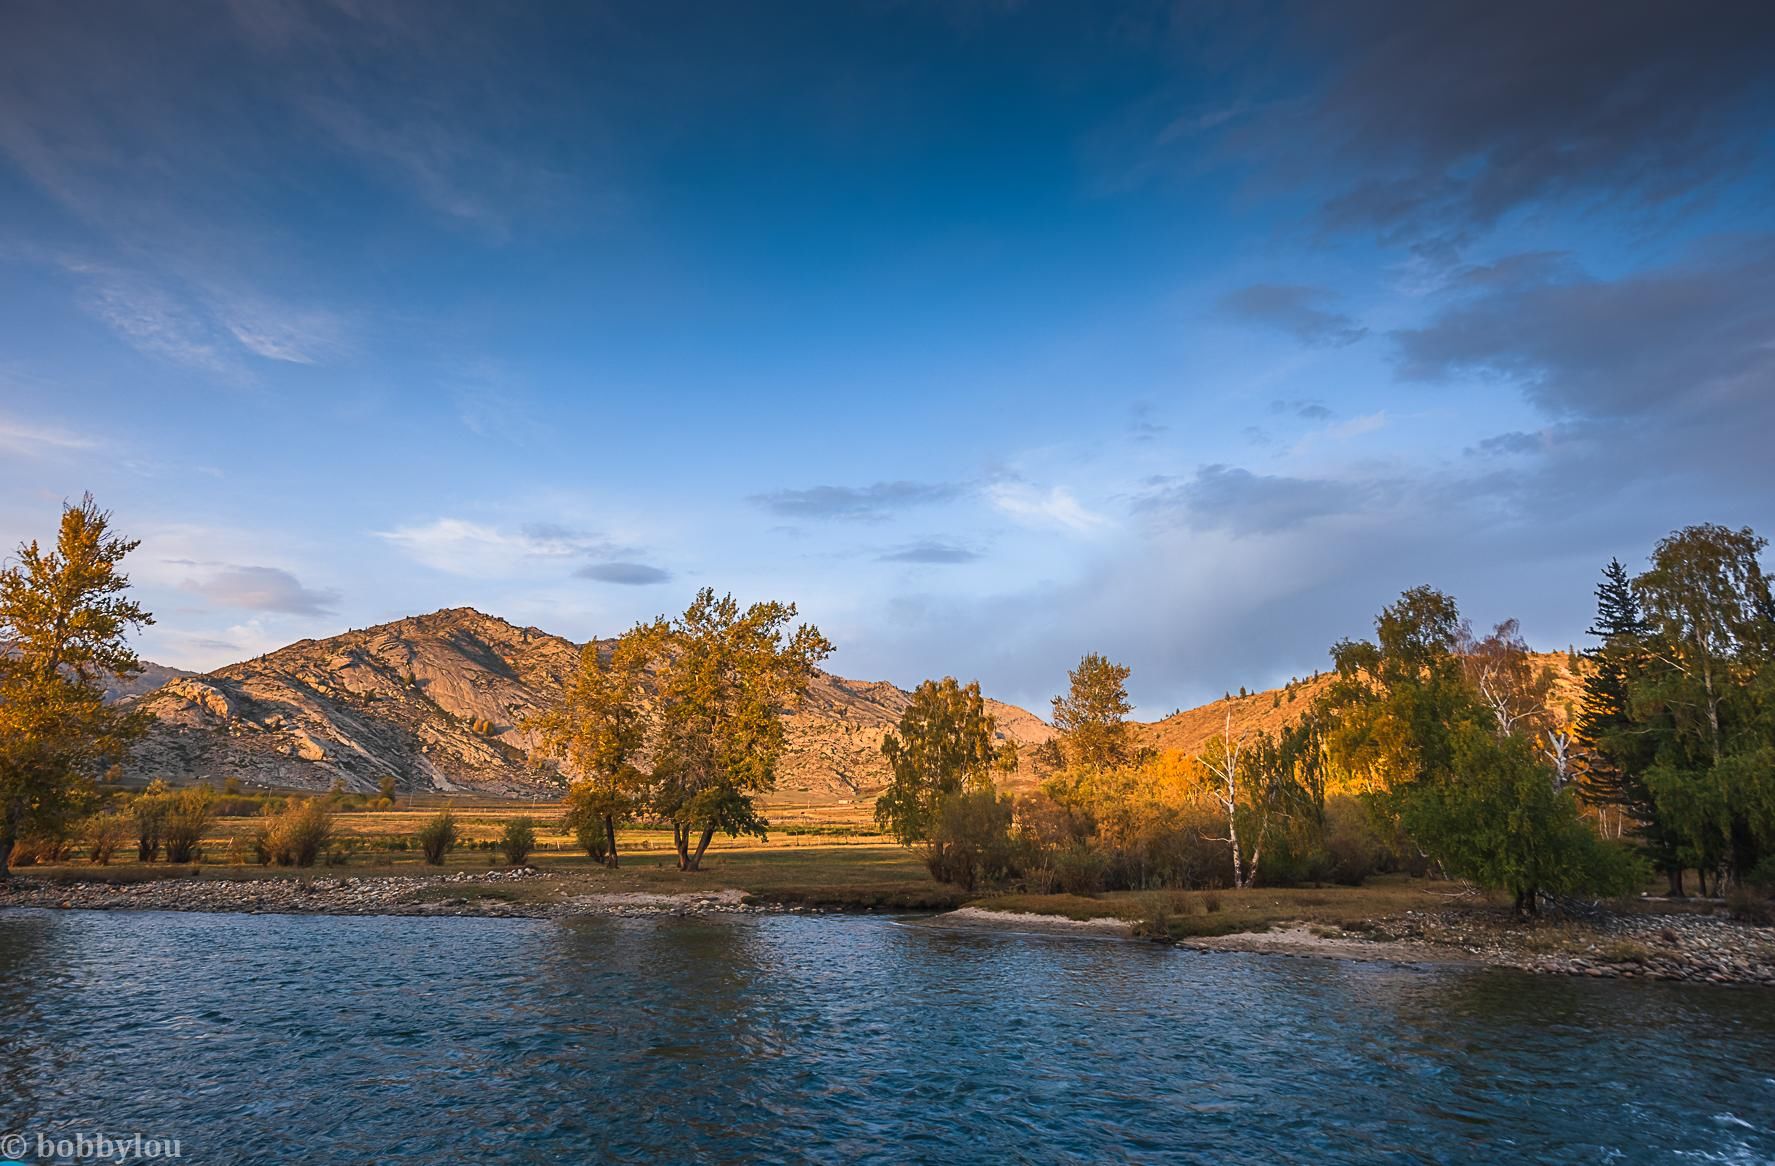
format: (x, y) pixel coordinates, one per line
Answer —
(273, 1039)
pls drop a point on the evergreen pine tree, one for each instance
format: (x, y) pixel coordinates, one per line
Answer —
(1612, 758)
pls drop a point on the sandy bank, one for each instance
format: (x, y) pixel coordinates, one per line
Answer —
(979, 918)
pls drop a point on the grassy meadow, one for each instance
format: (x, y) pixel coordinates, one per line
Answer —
(818, 854)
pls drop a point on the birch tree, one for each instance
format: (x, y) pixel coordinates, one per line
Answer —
(1220, 757)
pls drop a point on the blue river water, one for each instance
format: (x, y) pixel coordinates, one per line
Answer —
(281, 1039)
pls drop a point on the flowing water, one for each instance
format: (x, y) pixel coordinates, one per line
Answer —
(276, 1039)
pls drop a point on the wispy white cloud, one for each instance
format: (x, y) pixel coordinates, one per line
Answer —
(461, 547)
(29, 439)
(200, 323)
(273, 332)
(149, 318)
(1055, 506)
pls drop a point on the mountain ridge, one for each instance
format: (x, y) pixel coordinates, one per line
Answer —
(437, 701)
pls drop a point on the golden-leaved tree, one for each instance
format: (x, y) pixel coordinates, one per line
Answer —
(600, 731)
(64, 615)
(724, 677)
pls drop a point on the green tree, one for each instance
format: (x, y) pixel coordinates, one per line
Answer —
(942, 746)
(725, 678)
(1093, 715)
(600, 729)
(1497, 818)
(1703, 697)
(64, 616)
(971, 840)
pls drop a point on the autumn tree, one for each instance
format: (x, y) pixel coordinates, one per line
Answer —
(64, 615)
(725, 678)
(1093, 715)
(1390, 708)
(941, 749)
(599, 730)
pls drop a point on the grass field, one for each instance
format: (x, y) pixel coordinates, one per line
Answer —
(817, 854)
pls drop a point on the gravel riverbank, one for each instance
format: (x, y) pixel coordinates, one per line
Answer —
(1613, 945)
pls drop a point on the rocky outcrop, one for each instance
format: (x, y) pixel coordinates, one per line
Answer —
(439, 701)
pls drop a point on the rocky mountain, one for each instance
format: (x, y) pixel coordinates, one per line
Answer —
(437, 702)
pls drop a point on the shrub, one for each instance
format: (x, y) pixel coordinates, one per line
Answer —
(438, 836)
(518, 841)
(187, 815)
(386, 788)
(297, 836)
(149, 812)
(231, 785)
(104, 834)
(55, 845)
(1079, 871)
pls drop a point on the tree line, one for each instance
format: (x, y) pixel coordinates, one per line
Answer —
(1428, 748)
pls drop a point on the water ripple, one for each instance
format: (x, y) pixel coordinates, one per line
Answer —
(783, 1038)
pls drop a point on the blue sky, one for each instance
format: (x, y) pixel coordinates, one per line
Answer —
(990, 334)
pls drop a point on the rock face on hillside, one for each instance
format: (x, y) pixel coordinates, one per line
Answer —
(436, 702)
(1190, 730)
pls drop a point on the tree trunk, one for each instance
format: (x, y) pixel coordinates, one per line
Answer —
(1675, 875)
(1527, 902)
(1232, 837)
(610, 840)
(681, 840)
(696, 860)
